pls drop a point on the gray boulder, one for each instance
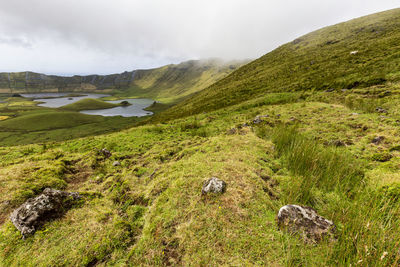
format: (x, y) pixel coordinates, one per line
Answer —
(306, 222)
(34, 212)
(116, 163)
(213, 185)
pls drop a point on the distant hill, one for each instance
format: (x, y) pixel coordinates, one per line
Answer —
(359, 53)
(171, 81)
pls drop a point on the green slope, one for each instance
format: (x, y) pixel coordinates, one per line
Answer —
(317, 61)
(150, 212)
(48, 121)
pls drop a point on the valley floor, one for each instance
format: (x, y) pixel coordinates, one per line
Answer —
(149, 211)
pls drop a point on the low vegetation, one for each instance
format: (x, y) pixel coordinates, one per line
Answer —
(149, 210)
(331, 148)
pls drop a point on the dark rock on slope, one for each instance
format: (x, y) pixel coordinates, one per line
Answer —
(306, 222)
(34, 212)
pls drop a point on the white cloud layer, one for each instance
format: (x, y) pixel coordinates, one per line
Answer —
(108, 36)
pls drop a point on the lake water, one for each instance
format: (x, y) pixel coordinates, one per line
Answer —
(136, 109)
(59, 100)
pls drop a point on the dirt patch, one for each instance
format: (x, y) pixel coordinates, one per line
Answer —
(77, 173)
(171, 254)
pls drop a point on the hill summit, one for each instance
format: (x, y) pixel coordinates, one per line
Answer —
(356, 54)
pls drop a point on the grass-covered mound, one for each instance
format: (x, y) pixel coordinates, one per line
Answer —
(88, 104)
(48, 121)
(320, 60)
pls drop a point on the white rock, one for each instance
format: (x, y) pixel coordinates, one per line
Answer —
(213, 185)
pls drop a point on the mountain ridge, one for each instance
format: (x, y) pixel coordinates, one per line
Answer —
(32, 82)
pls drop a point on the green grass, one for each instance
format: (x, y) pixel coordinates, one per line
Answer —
(311, 148)
(48, 121)
(149, 211)
(332, 181)
(88, 104)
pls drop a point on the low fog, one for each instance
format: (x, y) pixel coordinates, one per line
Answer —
(99, 36)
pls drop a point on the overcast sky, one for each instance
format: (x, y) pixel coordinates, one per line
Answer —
(109, 36)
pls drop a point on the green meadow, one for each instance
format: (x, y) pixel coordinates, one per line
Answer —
(315, 145)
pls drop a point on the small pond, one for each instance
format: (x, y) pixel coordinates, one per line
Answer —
(56, 100)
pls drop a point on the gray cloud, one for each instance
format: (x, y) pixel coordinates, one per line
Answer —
(104, 36)
(15, 41)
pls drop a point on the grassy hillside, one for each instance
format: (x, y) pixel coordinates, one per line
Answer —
(320, 60)
(315, 148)
(37, 122)
(149, 211)
(88, 104)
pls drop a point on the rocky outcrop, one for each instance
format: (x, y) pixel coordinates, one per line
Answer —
(116, 163)
(381, 110)
(213, 185)
(260, 118)
(377, 140)
(306, 222)
(34, 212)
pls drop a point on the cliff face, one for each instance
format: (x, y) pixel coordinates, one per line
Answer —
(22, 82)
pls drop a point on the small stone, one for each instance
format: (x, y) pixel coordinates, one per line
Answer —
(377, 140)
(385, 253)
(381, 110)
(258, 119)
(106, 153)
(213, 185)
(354, 114)
(306, 222)
(338, 143)
(34, 212)
(116, 163)
(232, 131)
